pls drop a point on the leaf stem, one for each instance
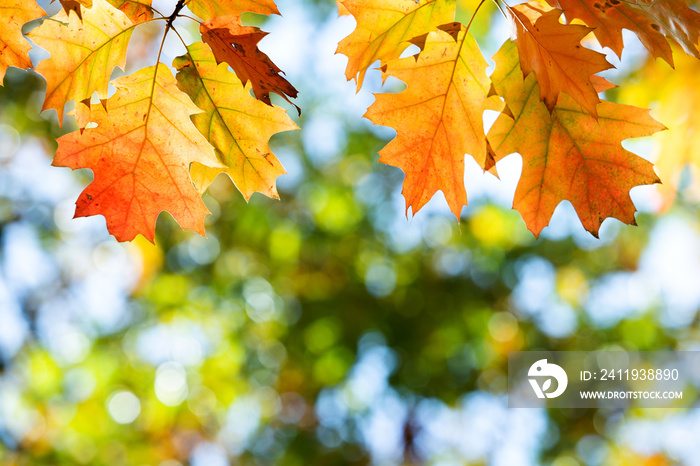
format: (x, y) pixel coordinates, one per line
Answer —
(191, 18)
(168, 26)
(180, 5)
(498, 5)
(156, 11)
(474, 15)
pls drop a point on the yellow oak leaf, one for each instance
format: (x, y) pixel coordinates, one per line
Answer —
(140, 153)
(438, 118)
(14, 48)
(554, 52)
(385, 29)
(567, 154)
(138, 11)
(83, 54)
(237, 125)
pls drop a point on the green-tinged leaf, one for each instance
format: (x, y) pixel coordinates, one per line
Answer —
(568, 154)
(235, 123)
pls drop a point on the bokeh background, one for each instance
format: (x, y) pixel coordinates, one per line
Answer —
(326, 328)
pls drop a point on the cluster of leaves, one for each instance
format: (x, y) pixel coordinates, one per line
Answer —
(160, 140)
(545, 85)
(146, 153)
(444, 309)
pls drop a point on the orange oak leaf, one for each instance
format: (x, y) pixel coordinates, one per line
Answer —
(138, 11)
(237, 125)
(238, 46)
(385, 28)
(568, 154)
(206, 9)
(652, 21)
(608, 19)
(438, 118)
(14, 48)
(554, 52)
(83, 54)
(140, 153)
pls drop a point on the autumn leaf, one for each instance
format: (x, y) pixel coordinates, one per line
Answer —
(554, 52)
(83, 54)
(438, 118)
(385, 28)
(237, 46)
(14, 48)
(652, 21)
(140, 153)
(138, 11)
(237, 125)
(568, 154)
(207, 9)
